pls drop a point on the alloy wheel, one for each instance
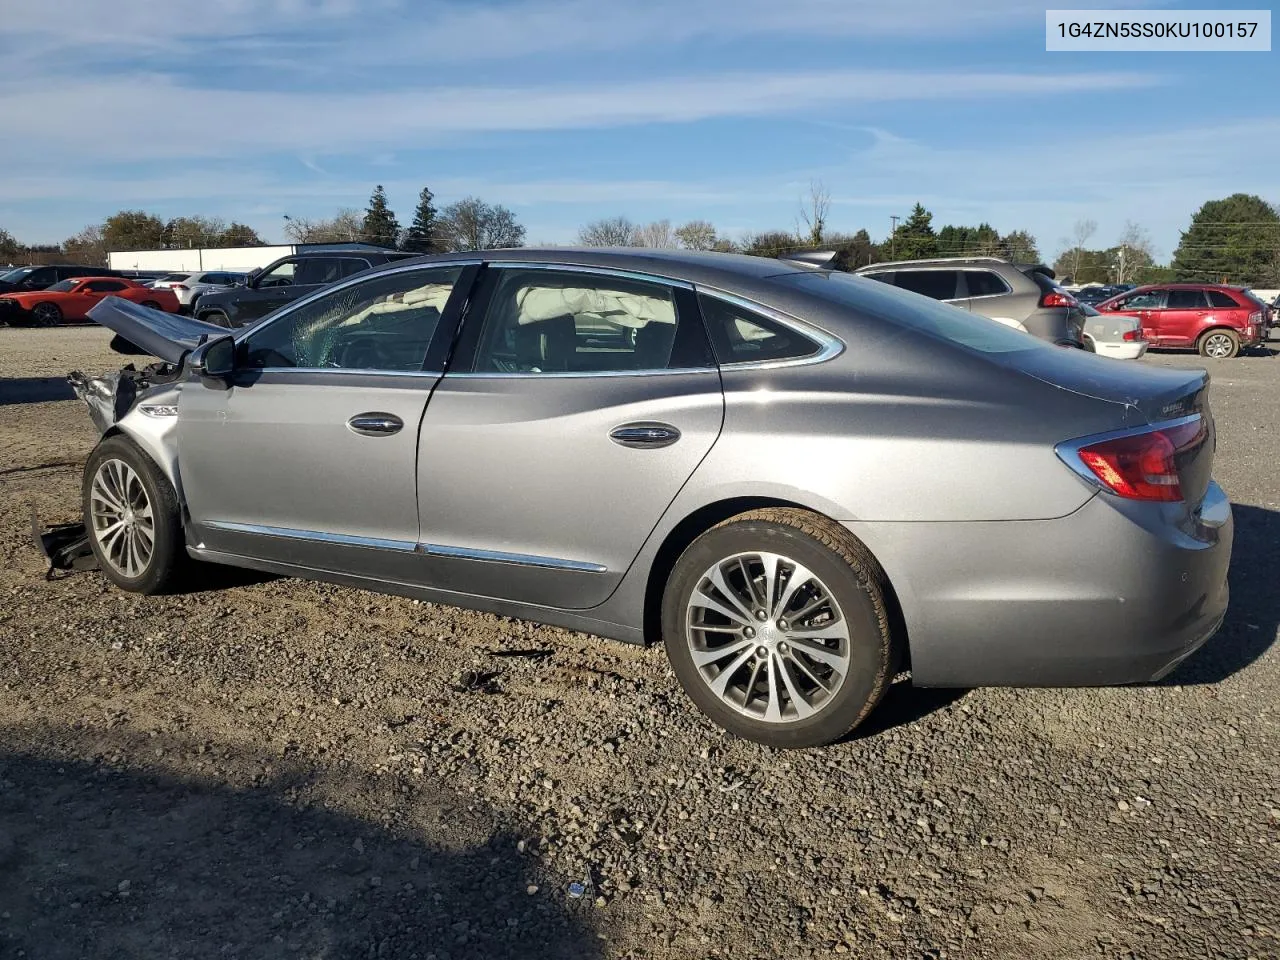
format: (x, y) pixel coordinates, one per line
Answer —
(767, 637)
(46, 314)
(1218, 345)
(123, 524)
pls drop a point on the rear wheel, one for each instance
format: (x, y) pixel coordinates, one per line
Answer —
(46, 314)
(131, 515)
(216, 317)
(776, 624)
(151, 304)
(1219, 344)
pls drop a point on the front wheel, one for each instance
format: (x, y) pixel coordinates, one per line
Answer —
(1219, 344)
(776, 623)
(216, 317)
(131, 515)
(46, 314)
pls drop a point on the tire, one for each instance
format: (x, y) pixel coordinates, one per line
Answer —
(46, 314)
(1087, 343)
(151, 304)
(1219, 344)
(216, 317)
(858, 669)
(118, 472)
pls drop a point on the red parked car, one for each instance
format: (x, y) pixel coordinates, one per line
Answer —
(69, 301)
(1217, 320)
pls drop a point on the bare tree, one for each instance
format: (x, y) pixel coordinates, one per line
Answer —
(697, 235)
(1073, 246)
(813, 213)
(345, 227)
(657, 235)
(472, 224)
(1133, 252)
(609, 232)
(87, 246)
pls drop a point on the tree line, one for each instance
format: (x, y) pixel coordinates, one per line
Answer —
(1233, 240)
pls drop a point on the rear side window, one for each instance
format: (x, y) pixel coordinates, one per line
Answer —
(174, 277)
(739, 335)
(984, 283)
(1219, 299)
(1185, 300)
(104, 286)
(913, 315)
(938, 284)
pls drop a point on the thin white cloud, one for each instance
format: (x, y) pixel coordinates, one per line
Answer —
(307, 123)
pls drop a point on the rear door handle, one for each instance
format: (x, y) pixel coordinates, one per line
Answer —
(645, 436)
(375, 424)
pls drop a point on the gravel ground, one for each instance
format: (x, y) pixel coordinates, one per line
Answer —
(270, 768)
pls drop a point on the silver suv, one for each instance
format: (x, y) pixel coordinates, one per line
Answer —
(1024, 296)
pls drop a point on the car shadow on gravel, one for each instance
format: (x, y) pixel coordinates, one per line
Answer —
(903, 705)
(1253, 615)
(97, 861)
(34, 390)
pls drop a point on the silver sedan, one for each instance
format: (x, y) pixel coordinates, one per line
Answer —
(801, 482)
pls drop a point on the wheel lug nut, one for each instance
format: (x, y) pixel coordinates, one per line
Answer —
(761, 615)
(782, 648)
(749, 632)
(782, 624)
(762, 652)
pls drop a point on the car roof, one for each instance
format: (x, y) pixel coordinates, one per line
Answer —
(691, 266)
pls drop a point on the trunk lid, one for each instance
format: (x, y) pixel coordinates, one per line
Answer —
(1148, 396)
(169, 336)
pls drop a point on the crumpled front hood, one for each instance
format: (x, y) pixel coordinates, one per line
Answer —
(169, 336)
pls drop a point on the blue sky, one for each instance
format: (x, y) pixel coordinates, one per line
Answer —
(571, 110)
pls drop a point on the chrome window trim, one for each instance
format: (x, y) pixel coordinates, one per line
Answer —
(1068, 451)
(829, 345)
(314, 536)
(351, 281)
(577, 374)
(515, 559)
(598, 271)
(351, 371)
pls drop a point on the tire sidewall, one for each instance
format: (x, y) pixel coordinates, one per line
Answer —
(164, 510)
(868, 643)
(1229, 334)
(48, 315)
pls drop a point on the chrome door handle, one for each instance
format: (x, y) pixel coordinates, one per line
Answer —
(375, 424)
(645, 436)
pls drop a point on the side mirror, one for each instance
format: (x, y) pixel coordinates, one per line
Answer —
(213, 361)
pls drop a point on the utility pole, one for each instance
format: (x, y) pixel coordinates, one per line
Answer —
(893, 232)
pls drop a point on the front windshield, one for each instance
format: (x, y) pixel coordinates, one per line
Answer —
(62, 286)
(913, 312)
(13, 276)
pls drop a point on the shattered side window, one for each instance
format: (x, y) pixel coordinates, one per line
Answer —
(385, 323)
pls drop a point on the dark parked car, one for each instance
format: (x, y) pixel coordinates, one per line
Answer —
(1214, 319)
(283, 282)
(1095, 295)
(1023, 296)
(29, 279)
(797, 479)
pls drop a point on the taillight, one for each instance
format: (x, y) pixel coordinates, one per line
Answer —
(1056, 298)
(1138, 466)
(1255, 318)
(1131, 335)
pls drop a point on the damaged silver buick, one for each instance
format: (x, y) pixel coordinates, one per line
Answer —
(767, 465)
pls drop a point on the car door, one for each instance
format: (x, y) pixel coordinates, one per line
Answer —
(308, 458)
(268, 291)
(1183, 316)
(90, 292)
(39, 279)
(1146, 306)
(580, 402)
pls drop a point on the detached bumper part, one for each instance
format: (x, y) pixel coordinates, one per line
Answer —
(64, 545)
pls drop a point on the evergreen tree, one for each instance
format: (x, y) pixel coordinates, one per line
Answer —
(914, 239)
(1236, 240)
(422, 235)
(380, 225)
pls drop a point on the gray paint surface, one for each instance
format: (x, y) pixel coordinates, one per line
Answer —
(1009, 568)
